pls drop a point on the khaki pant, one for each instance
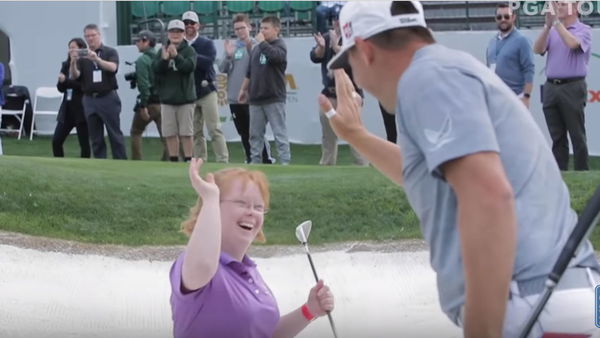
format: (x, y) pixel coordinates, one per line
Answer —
(329, 146)
(138, 126)
(176, 120)
(207, 112)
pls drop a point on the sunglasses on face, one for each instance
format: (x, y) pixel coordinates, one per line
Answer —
(189, 23)
(500, 17)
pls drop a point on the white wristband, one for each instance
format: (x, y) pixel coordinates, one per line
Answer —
(330, 113)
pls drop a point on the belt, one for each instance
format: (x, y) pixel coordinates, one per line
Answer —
(566, 80)
(573, 278)
(99, 94)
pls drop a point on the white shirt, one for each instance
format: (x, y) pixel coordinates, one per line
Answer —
(191, 41)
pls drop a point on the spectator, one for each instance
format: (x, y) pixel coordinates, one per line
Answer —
(147, 108)
(216, 289)
(235, 64)
(568, 43)
(475, 167)
(327, 46)
(325, 12)
(174, 66)
(101, 103)
(70, 113)
(207, 108)
(509, 54)
(265, 89)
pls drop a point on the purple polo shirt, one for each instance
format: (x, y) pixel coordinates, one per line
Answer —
(564, 62)
(235, 303)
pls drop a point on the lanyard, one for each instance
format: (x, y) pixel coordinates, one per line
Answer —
(98, 51)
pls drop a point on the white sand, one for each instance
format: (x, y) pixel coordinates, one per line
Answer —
(46, 294)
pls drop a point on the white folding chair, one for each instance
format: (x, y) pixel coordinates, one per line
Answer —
(50, 93)
(19, 114)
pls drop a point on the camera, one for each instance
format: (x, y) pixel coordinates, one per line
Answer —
(82, 52)
(131, 77)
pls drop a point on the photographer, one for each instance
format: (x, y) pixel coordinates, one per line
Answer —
(70, 114)
(96, 69)
(147, 108)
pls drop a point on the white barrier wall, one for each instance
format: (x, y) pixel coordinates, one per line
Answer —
(304, 85)
(303, 88)
(37, 56)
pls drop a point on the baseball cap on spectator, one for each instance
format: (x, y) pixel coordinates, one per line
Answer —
(364, 19)
(335, 12)
(145, 35)
(176, 24)
(190, 15)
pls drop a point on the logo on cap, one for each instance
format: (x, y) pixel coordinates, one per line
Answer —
(407, 20)
(347, 29)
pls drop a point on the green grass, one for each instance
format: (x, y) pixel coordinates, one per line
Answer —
(152, 150)
(143, 202)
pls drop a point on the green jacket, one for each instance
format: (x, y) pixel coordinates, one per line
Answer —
(175, 78)
(145, 78)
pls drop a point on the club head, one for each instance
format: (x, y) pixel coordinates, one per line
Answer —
(303, 231)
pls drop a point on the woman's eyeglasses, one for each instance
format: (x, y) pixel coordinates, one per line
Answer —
(259, 208)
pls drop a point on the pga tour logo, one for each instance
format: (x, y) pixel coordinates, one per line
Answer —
(530, 7)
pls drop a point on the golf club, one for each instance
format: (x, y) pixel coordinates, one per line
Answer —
(582, 229)
(302, 233)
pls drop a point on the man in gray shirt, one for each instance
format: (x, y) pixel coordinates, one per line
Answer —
(235, 63)
(475, 167)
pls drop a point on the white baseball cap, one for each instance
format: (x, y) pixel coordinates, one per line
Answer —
(366, 18)
(190, 15)
(176, 24)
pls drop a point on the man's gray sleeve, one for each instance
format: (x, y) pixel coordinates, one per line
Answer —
(447, 118)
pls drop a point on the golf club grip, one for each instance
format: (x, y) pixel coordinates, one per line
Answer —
(586, 221)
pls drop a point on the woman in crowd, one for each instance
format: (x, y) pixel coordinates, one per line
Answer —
(70, 114)
(217, 290)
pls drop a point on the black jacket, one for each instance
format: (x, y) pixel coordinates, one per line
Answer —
(268, 62)
(70, 110)
(326, 75)
(206, 53)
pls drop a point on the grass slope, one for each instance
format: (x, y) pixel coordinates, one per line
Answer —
(135, 203)
(143, 202)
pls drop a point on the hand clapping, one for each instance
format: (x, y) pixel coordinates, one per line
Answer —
(319, 39)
